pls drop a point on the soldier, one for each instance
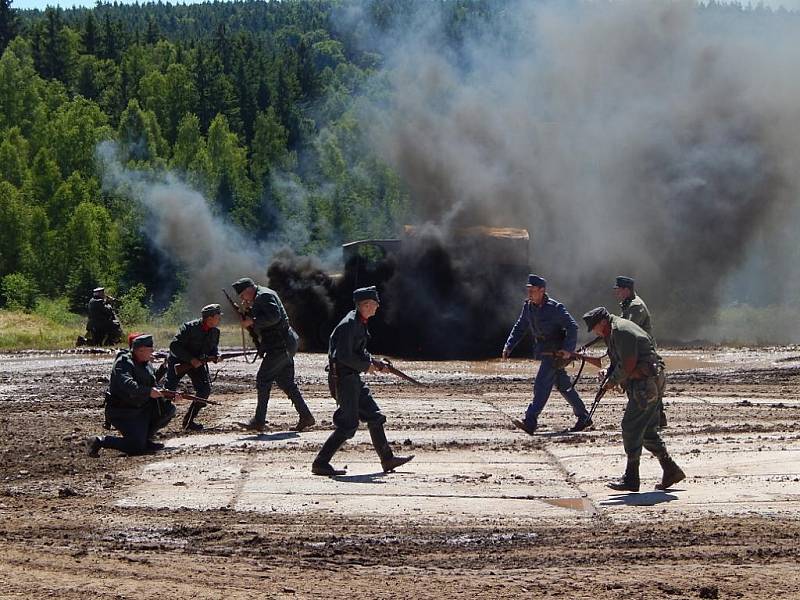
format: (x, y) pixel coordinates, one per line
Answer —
(277, 342)
(134, 405)
(634, 309)
(348, 358)
(555, 334)
(638, 369)
(196, 343)
(103, 326)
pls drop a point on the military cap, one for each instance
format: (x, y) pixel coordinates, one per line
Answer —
(242, 284)
(536, 281)
(594, 316)
(96, 291)
(366, 293)
(209, 310)
(142, 340)
(624, 282)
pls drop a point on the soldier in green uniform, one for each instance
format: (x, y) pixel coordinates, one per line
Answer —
(134, 405)
(348, 358)
(103, 326)
(196, 343)
(634, 309)
(277, 343)
(637, 368)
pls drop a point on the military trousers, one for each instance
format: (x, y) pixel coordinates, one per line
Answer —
(642, 414)
(547, 377)
(138, 428)
(355, 404)
(277, 368)
(201, 382)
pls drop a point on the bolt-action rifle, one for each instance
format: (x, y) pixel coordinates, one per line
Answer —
(182, 369)
(243, 313)
(600, 393)
(180, 395)
(563, 362)
(385, 364)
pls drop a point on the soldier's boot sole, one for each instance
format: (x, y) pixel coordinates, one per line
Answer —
(326, 470)
(390, 464)
(671, 478)
(624, 486)
(304, 423)
(93, 445)
(520, 424)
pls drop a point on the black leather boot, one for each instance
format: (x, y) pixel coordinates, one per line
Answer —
(322, 463)
(188, 419)
(630, 481)
(672, 472)
(389, 462)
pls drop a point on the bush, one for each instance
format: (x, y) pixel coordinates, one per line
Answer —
(132, 310)
(177, 312)
(57, 311)
(18, 292)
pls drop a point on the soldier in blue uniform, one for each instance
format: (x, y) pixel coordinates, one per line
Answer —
(134, 405)
(555, 334)
(196, 343)
(277, 343)
(348, 357)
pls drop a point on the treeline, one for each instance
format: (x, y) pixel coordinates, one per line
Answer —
(227, 95)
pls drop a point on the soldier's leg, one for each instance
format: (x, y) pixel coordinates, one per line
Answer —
(345, 421)
(564, 386)
(370, 413)
(202, 388)
(542, 386)
(286, 381)
(270, 367)
(671, 472)
(163, 412)
(134, 436)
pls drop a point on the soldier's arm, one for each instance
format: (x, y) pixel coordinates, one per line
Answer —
(265, 312)
(178, 346)
(570, 327)
(638, 314)
(626, 351)
(348, 354)
(521, 327)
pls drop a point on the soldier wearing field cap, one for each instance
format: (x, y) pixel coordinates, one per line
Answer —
(277, 343)
(134, 405)
(103, 325)
(637, 368)
(196, 343)
(555, 334)
(633, 308)
(348, 357)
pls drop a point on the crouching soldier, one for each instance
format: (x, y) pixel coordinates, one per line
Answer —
(103, 325)
(195, 344)
(348, 358)
(637, 368)
(134, 405)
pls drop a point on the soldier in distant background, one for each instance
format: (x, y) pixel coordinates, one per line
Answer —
(103, 326)
(134, 405)
(196, 343)
(634, 309)
(277, 343)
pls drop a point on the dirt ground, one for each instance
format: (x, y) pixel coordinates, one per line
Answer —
(532, 520)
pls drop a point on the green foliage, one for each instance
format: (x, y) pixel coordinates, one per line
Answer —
(177, 312)
(132, 310)
(18, 292)
(57, 310)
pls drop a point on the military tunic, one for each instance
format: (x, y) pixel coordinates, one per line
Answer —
(129, 407)
(634, 309)
(103, 326)
(348, 350)
(192, 341)
(277, 342)
(630, 346)
(552, 328)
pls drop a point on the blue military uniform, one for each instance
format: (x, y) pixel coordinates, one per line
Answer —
(194, 341)
(129, 407)
(552, 328)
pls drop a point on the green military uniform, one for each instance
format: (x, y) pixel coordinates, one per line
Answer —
(634, 309)
(637, 368)
(129, 407)
(193, 341)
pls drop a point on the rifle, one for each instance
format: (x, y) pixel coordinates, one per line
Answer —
(385, 364)
(600, 393)
(584, 358)
(182, 369)
(243, 314)
(171, 395)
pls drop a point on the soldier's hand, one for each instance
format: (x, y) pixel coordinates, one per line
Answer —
(156, 393)
(214, 358)
(247, 323)
(505, 353)
(601, 374)
(563, 354)
(196, 362)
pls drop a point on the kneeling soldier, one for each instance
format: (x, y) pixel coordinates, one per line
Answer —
(134, 405)
(196, 343)
(637, 368)
(348, 358)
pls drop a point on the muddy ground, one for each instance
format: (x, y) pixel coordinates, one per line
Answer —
(534, 521)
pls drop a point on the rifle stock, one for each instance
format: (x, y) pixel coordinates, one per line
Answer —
(182, 369)
(171, 395)
(386, 365)
(595, 361)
